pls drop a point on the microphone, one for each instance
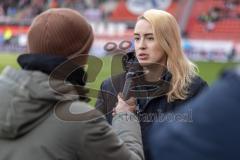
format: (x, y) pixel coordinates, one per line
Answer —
(133, 68)
(127, 85)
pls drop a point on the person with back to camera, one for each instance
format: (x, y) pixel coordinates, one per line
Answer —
(214, 131)
(172, 76)
(41, 115)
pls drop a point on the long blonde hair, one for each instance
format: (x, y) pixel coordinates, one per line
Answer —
(166, 32)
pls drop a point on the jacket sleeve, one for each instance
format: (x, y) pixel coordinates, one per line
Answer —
(122, 142)
(107, 99)
(101, 100)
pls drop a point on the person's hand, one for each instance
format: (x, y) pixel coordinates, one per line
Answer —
(124, 106)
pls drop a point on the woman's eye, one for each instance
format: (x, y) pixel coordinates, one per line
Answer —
(150, 38)
(136, 38)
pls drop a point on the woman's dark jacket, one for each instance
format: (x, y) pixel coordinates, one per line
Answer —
(148, 109)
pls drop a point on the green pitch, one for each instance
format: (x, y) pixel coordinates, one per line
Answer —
(207, 70)
(7, 59)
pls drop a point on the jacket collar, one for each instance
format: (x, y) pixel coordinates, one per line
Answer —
(48, 63)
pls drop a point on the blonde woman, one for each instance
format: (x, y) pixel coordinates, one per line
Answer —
(169, 78)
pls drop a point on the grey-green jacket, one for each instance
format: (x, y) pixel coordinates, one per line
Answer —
(39, 123)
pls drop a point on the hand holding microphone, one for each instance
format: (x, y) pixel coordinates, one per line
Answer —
(126, 101)
(124, 106)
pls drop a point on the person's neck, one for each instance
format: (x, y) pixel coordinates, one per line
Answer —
(154, 73)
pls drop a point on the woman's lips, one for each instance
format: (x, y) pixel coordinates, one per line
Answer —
(143, 56)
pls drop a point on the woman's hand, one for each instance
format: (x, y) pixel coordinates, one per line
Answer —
(124, 106)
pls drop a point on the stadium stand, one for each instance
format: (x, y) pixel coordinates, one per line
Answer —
(214, 19)
(202, 22)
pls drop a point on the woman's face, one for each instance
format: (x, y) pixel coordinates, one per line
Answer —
(147, 48)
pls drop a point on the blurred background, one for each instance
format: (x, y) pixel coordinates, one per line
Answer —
(210, 29)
